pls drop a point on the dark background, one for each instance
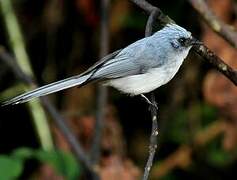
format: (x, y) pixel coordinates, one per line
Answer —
(197, 137)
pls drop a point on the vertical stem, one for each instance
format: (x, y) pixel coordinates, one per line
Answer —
(102, 90)
(15, 37)
(153, 107)
(153, 138)
(18, 47)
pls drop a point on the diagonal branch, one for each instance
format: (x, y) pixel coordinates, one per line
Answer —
(202, 50)
(217, 62)
(58, 119)
(224, 30)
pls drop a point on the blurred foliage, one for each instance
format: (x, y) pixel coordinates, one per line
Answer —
(135, 20)
(66, 41)
(208, 114)
(12, 166)
(216, 156)
(178, 129)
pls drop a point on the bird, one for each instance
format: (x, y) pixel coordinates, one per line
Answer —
(137, 69)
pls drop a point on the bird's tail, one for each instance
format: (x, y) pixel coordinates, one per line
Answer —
(48, 89)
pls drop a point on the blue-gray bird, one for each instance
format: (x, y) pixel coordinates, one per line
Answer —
(137, 69)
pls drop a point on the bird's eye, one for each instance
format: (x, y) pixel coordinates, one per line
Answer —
(182, 40)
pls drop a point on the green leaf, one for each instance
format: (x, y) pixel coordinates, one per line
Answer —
(64, 163)
(23, 153)
(10, 168)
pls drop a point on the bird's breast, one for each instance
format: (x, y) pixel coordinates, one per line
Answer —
(150, 80)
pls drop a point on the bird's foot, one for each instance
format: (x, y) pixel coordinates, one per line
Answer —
(154, 105)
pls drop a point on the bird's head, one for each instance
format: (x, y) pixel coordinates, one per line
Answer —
(179, 38)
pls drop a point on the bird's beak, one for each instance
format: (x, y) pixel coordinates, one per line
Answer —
(194, 41)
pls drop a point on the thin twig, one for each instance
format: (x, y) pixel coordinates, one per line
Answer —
(102, 90)
(202, 50)
(153, 107)
(153, 138)
(221, 28)
(58, 119)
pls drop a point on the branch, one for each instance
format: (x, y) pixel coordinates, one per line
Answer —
(202, 50)
(217, 62)
(58, 119)
(153, 138)
(221, 28)
(154, 131)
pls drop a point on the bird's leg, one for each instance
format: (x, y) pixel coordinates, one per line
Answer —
(149, 102)
(146, 99)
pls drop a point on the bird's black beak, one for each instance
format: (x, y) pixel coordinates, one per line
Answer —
(194, 41)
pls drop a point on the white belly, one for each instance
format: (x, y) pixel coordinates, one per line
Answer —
(149, 81)
(143, 83)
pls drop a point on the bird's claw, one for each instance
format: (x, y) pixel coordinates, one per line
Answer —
(152, 105)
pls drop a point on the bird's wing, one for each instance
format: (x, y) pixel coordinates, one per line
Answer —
(63, 84)
(99, 63)
(116, 68)
(135, 59)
